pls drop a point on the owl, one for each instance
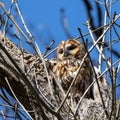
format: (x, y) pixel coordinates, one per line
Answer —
(69, 56)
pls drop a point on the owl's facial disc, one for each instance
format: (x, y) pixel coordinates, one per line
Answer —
(68, 49)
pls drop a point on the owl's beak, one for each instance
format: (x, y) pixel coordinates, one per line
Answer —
(65, 53)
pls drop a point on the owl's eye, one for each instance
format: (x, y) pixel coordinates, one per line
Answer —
(60, 51)
(72, 47)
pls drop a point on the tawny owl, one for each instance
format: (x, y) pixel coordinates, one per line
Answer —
(69, 57)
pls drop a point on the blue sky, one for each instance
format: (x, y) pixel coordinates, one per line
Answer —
(46, 15)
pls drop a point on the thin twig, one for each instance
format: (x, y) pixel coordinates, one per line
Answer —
(100, 52)
(16, 97)
(37, 85)
(23, 22)
(5, 25)
(64, 95)
(101, 27)
(50, 52)
(118, 111)
(95, 72)
(44, 64)
(102, 45)
(48, 47)
(12, 19)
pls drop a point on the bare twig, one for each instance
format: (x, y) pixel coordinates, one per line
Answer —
(16, 97)
(94, 70)
(43, 61)
(50, 52)
(12, 19)
(5, 29)
(23, 22)
(48, 47)
(100, 52)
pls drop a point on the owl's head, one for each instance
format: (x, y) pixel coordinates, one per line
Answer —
(70, 49)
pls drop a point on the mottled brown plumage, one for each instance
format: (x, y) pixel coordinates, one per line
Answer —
(69, 57)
